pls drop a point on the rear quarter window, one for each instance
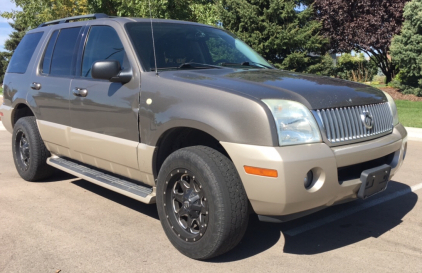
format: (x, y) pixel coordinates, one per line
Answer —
(45, 65)
(23, 53)
(64, 52)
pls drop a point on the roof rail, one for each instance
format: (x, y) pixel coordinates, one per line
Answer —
(67, 19)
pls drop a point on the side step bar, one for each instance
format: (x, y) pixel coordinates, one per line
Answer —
(143, 193)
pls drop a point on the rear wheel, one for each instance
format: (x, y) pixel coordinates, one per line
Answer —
(201, 202)
(29, 152)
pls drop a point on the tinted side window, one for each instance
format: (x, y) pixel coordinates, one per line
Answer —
(103, 44)
(23, 53)
(63, 53)
(45, 66)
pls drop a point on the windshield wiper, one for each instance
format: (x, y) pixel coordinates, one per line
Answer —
(191, 65)
(197, 65)
(248, 64)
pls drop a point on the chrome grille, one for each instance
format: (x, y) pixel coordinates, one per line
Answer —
(345, 124)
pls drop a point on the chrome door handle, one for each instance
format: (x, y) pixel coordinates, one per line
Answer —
(36, 86)
(80, 92)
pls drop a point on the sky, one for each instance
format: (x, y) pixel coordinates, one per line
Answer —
(5, 29)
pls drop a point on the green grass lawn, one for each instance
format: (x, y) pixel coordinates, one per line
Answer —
(1, 91)
(410, 113)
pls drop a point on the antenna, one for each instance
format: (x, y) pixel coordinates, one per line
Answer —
(153, 42)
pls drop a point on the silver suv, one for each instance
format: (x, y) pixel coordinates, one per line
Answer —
(189, 117)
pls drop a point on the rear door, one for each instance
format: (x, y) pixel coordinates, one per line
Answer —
(50, 87)
(105, 122)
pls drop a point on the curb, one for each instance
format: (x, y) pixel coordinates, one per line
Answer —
(414, 133)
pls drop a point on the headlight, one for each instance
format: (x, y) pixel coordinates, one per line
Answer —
(295, 123)
(393, 108)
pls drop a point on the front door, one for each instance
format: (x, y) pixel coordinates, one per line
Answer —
(104, 115)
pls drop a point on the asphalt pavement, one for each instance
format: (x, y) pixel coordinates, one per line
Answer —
(70, 225)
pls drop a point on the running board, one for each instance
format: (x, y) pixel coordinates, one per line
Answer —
(143, 193)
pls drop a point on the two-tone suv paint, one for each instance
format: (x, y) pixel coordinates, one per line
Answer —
(188, 116)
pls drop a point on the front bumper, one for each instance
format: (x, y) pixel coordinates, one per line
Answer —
(286, 195)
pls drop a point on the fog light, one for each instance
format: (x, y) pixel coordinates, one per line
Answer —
(308, 179)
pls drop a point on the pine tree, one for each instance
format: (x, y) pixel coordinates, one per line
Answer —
(15, 37)
(274, 28)
(11, 44)
(406, 49)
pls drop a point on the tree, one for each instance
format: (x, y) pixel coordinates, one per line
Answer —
(406, 49)
(15, 37)
(274, 28)
(108, 7)
(4, 61)
(202, 11)
(10, 45)
(34, 13)
(362, 25)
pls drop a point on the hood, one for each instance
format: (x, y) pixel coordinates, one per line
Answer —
(316, 92)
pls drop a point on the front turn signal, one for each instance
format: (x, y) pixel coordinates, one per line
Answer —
(260, 171)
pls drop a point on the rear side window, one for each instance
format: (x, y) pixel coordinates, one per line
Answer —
(45, 66)
(63, 52)
(103, 44)
(23, 53)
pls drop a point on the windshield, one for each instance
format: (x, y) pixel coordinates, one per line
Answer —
(178, 44)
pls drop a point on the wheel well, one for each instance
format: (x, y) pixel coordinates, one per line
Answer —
(21, 110)
(178, 138)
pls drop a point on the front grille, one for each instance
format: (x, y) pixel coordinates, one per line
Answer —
(344, 124)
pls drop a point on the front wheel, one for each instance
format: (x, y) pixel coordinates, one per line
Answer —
(201, 202)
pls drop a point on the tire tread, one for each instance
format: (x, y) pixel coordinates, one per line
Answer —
(39, 169)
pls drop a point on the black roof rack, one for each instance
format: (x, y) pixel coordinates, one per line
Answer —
(67, 19)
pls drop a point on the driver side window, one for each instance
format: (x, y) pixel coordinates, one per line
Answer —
(103, 44)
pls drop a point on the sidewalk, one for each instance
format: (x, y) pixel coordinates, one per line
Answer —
(414, 133)
(1, 102)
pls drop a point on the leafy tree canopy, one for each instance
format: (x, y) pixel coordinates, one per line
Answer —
(35, 12)
(406, 49)
(362, 25)
(202, 11)
(274, 28)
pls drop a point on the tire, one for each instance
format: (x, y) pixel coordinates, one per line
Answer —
(201, 202)
(29, 152)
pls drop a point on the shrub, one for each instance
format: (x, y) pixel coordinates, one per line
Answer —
(355, 68)
(406, 50)
(324, 67)
(302, 62)
(379, 79)
(297, 62)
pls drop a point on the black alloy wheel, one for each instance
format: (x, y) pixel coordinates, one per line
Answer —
(22, 149)
(186, 205)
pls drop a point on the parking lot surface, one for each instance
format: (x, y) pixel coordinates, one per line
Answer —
(71, 225)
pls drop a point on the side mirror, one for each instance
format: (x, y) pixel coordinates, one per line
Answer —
(110, 70)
